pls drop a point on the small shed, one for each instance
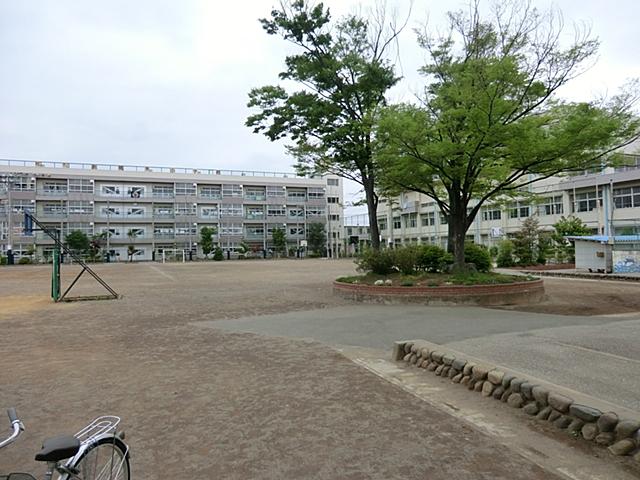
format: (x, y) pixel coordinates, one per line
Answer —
(605, 254)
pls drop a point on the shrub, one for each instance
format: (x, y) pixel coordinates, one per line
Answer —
(433, 258)
(3, 260)
(217, 255)
(505, 254)
(24, 261)
(478, 255)
(380, 262)
(493, 251)
(406, 259)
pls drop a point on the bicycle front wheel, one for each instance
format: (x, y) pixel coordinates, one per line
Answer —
(107, 459)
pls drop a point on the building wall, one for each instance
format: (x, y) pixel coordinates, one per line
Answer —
(165, 207)
(607, 202)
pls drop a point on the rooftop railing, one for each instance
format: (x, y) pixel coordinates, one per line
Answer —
(148, 169)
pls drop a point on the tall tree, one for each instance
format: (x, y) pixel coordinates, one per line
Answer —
(489, 121)
(206, 240)
(344, 71)
(279, 239)
(317, 237)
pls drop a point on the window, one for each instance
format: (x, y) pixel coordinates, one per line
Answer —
(57, 208)
(491, 213)
(80, 185)
(21, 183)
(296, 194)
(411, 220)
(443, 219)
(272, 227)
(518, 210)
(185, 209)
(333, 200)
(428, 219)
(382, 225)
(80, 208)
(627, 197)
(295, 212)
(254, 193)
(185, 188)
(315, 212)
(162, 191)
(254, 213)
(397, 223)
(231, 210)
(135, 212)
(233, 190)
(209, 211)
(254, 231)
(296, 231)
(20, 206)
(211, 191)
(316, 193)
(273, 211)
(275, 191)
(185, 229)
(551, 206)
(136, 232)
(163, 231)
(334, 218)
(585, 202)
(231, 229)
(135, 192)
(110, 190)
(52, 187)
(110, 211)
(160, 211)
(333, 182)
(84, 227)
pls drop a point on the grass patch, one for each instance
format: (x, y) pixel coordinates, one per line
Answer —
(437, 279)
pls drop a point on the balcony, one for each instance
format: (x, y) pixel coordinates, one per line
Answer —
(254, 236)
(255, 197)
(164, 216)
(255, 216)
(52, 193)
(164, 236)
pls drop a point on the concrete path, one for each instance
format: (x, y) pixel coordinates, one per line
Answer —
(599, 356)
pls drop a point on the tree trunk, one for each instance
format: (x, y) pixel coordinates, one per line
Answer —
(372, 208)
(457, 232)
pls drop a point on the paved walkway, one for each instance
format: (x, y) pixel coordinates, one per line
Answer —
(599, 356)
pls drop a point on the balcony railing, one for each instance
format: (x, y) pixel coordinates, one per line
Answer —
(256, 197)
(52, 193)
(254, 216)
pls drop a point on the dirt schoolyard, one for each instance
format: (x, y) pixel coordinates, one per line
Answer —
(202, 403)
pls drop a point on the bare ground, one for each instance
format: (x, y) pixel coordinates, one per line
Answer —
(200, 403)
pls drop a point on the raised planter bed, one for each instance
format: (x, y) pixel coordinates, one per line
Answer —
(517, 293)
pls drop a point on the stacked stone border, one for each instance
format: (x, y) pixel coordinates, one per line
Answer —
(497, 294)
(607, 429)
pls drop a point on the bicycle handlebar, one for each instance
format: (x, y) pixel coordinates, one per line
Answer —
(17, 426)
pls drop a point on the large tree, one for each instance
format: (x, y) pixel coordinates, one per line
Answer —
(344, 73)
(489, 121)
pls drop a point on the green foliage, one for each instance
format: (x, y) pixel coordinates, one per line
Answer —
(433, 258)
(77, 241)
(316, 238)
(406, 259)
(24, 261)
(505, 254)
(342, 69)
(217, 255)
(564, 249)
(96, 244)
(3, 260)
(493, 251)
(489, 121)
(206, 240)
(380, 262)
(478, 255)
(279, 239)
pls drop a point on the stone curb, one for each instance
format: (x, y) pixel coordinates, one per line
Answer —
(606, 429)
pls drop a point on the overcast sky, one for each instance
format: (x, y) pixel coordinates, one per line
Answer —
(165, 82)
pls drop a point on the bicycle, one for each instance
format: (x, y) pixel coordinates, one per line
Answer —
(97, 452)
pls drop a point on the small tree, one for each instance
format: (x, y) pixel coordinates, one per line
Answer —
(217, 255)
(316, 238)
(77, 241)
(526, 241)
(131, 249)
(279, 239)
(206, 240)
(96, 244)
(564, 249)
(505, 254)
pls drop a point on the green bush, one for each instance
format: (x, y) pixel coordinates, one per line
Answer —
(505, 254)
(217, 255)
(24, 261)
(406, 259)
(478, 255)
(433, 258)
(380, 262)
(3, 260)
(493, 251)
